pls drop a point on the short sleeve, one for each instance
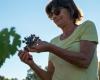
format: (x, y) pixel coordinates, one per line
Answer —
(89, 32)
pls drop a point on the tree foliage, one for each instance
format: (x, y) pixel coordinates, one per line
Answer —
(9, 43)
(4, 78)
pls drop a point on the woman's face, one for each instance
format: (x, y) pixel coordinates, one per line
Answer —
(60, 16)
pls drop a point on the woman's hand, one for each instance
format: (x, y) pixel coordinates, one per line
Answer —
(40, 46)
(25, 57)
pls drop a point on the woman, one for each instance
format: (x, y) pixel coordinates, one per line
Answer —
(73, 53)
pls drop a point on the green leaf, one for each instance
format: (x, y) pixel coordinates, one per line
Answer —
(6, 48)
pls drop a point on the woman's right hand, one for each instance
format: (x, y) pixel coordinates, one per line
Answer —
(40, 46)
(25, 57)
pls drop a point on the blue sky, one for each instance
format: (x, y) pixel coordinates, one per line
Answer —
(29, 17)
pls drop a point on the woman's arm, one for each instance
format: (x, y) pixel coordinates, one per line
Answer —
(44, 75)
(81, 59)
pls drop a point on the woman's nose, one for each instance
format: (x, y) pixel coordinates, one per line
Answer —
(54, 16)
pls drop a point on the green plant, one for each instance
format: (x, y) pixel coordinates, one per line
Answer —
(9, 43)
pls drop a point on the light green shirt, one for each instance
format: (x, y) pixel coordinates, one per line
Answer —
(66, 71)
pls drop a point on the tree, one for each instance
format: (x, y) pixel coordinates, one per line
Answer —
(4, 78)
(9, 42)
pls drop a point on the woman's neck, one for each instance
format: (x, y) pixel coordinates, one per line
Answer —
(67, 31)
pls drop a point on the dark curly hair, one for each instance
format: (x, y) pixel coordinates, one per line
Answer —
(75, 14)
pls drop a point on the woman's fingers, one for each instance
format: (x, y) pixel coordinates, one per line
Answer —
(24, 56)
(20, 51)
(30, 49)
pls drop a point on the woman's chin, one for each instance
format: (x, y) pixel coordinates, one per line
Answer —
(59, 24)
